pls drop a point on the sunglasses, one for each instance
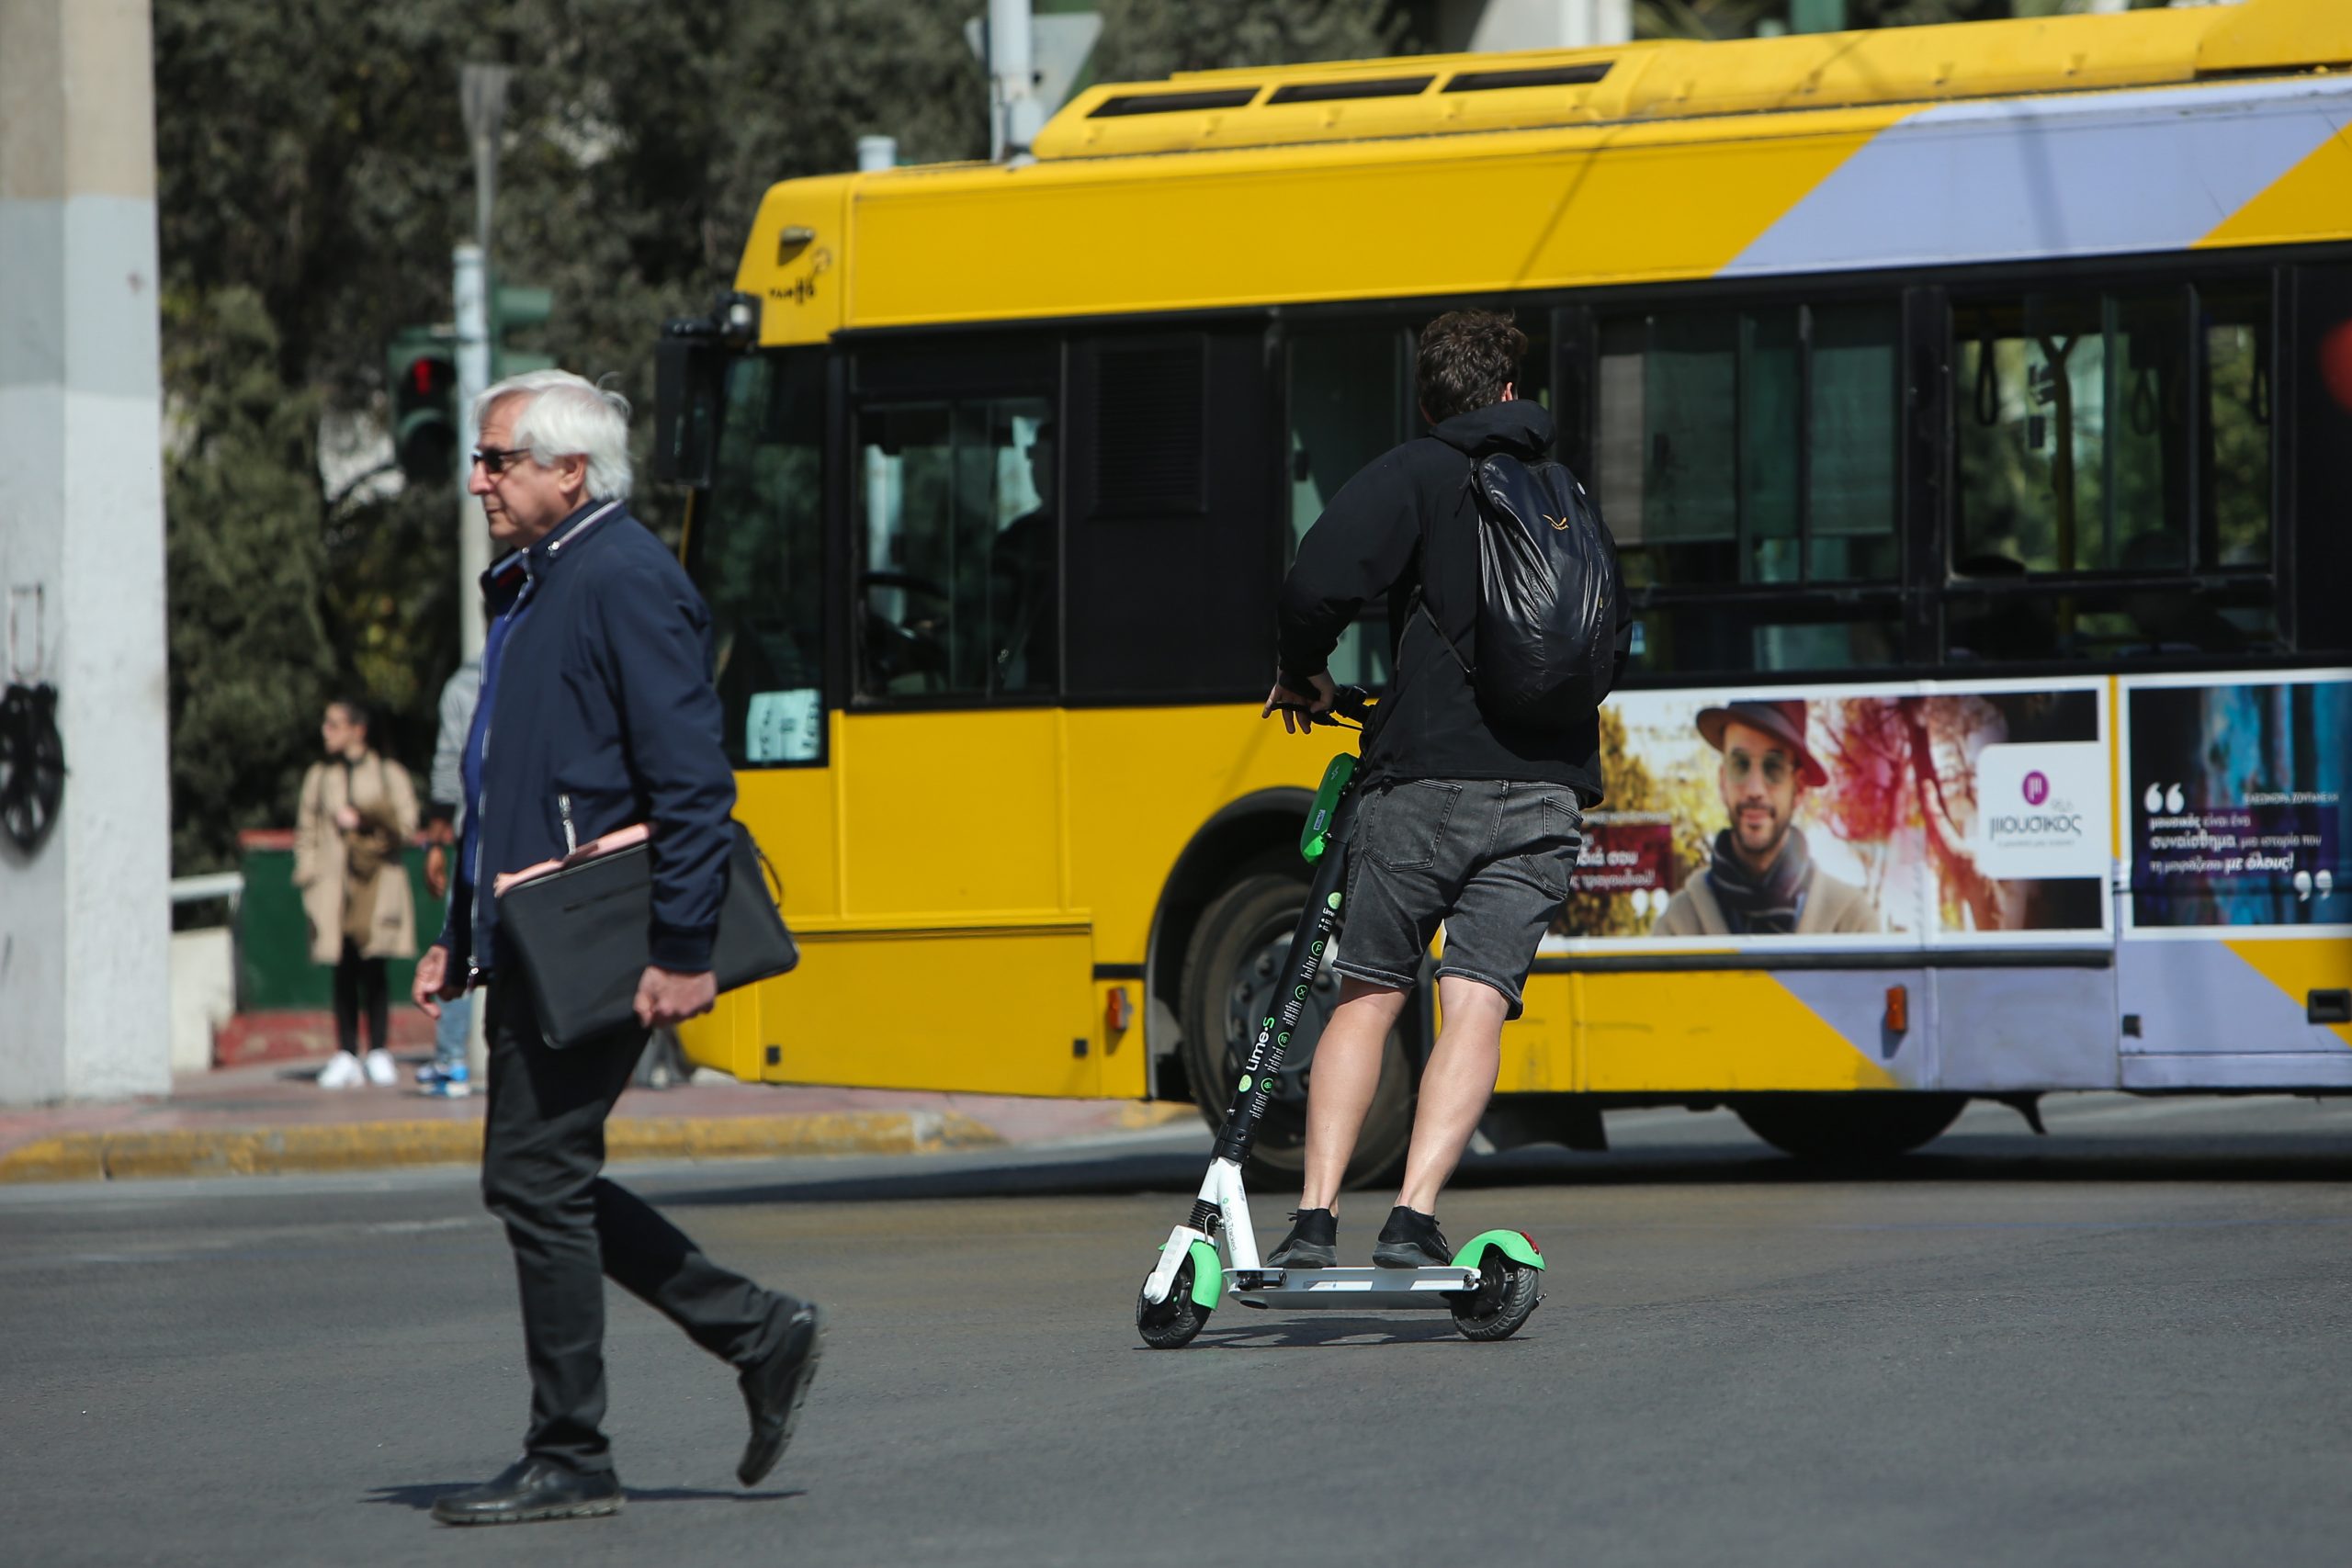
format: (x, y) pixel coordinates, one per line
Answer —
(495, 460)
(1776, 767)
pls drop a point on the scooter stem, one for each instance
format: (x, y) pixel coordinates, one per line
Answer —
(1307, 945)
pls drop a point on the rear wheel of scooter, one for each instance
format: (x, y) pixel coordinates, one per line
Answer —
(1506, 1297)
(1233, 972)
(1167, 1324)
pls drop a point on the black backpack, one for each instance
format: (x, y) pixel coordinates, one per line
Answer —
(1548, 596)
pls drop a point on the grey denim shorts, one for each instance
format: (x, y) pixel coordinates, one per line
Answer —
(1488, 858)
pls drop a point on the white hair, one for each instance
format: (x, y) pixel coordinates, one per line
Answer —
(564, 415)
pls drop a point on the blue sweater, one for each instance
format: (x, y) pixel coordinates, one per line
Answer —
(596, 712)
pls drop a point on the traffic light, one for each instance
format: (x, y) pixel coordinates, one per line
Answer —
(420, 370)
(513, 305)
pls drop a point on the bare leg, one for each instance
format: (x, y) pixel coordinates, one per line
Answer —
(1455, 1087)
(1340, 1090)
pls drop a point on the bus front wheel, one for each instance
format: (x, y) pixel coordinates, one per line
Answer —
(1848, 1125)
(1238, 959)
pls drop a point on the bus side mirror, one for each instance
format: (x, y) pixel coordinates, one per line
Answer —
(689, 377)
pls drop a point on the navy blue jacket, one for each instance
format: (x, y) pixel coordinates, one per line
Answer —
(596, 712)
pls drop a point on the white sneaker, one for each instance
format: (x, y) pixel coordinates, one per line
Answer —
(381, 1069)
(343, 1072)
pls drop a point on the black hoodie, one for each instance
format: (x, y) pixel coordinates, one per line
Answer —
(1409, 519)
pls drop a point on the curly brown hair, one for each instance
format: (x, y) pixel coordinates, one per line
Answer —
(1467, 358)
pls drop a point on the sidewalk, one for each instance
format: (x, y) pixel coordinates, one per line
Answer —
(272, 1117)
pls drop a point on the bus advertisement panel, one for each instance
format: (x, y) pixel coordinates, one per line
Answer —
(2237, 803)
(1904, 815)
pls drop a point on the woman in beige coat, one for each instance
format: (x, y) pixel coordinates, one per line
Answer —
(357, 814)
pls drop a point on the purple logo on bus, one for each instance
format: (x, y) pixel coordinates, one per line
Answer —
(2037, 787)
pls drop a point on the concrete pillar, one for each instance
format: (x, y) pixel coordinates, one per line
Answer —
(85, 921)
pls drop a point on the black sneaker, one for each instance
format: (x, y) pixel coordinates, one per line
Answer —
(1313, 1241)
(1410, 1240)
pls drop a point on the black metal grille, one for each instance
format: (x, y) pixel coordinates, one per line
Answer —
(1326, 91)
(1150, 414)
(1171, 103)
(1544, 76)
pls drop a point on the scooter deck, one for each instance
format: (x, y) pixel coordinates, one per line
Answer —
(1354, 1290)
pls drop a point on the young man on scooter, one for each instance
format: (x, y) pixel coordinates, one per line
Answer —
(1462, 820)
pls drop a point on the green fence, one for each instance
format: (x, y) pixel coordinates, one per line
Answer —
(274, 968)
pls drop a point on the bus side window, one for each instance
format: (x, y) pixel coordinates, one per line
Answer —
(959, 542)
(1351, 392)
(2121, 442)
(1351, 396)
(1735, 449)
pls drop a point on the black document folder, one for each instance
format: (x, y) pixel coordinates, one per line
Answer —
(582, 937)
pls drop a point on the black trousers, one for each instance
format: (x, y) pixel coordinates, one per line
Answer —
(543, 1143)
(360, 984)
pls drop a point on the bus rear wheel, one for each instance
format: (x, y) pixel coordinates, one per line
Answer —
(1849, 1126)
(1236, 961)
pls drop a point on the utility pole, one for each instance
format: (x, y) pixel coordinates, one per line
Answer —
(1502, 25)
(481, 89)
(1013, 81)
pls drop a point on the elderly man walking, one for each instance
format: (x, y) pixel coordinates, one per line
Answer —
(597, 711)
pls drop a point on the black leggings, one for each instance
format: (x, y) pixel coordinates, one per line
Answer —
(359, 981)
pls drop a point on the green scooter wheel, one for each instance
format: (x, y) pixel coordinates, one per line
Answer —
(1507, 1296)
(1170, 1324)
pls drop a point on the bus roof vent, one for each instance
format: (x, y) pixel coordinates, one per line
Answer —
(1150, 415)
(1362, 87)
(1541, 76)
(1172, 102)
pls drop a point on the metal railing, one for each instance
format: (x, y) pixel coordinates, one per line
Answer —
(226, 885)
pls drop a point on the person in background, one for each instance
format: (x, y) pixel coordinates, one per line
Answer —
(447, 1077)
(357, 811)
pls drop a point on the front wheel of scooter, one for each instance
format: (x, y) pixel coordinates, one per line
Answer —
(1167, 1324)
(1507, 1296)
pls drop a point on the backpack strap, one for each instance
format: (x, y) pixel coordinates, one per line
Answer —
(1420, 598)
(1421, 608)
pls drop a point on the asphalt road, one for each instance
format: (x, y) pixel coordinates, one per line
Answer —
(2123, 1343)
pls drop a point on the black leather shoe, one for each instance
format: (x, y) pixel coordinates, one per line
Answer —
(774, 1390)
(533, 1489)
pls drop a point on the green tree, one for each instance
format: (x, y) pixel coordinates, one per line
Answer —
(250, 669)
(1739, 18)
(1143, 40)
(314, 174)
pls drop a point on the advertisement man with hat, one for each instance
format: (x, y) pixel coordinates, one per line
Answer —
(1761, 880)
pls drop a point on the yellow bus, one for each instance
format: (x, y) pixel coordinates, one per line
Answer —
(1974, 397)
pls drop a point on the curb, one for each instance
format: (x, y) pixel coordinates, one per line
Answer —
(382, 1146)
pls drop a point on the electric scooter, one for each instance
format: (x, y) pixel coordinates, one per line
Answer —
(1491, 1286)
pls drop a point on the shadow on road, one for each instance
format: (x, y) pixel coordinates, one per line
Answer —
(2055, 1159)
(1253, 1330)
(1104, 1175)
(420, 1495)
(2108, 1158)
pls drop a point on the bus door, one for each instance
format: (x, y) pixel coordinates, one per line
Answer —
(954, 957)
(755, 545)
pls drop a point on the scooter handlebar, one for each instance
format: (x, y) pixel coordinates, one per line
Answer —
(1347, 702)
